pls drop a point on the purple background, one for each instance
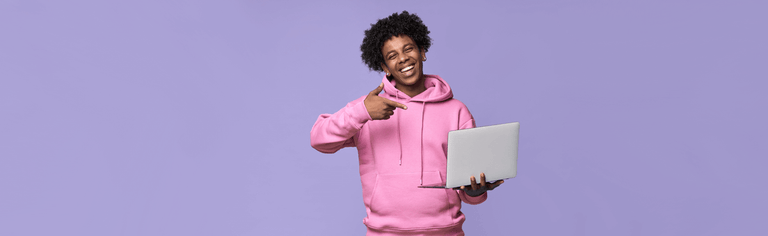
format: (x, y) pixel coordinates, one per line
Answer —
(193, 117)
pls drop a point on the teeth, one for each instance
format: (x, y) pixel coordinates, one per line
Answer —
(406, 69)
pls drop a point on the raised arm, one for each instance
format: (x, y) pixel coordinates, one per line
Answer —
(333, 132)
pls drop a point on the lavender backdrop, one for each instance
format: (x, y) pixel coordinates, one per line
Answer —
(193, 117)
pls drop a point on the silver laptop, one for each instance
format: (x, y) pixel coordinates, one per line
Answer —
(489, 149)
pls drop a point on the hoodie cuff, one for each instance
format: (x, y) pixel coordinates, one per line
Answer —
(472, 200)
(360, 112)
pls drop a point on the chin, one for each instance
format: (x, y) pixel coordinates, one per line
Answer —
(408, 81)
(413, 79)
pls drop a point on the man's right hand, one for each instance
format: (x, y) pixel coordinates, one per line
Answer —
(380, 108)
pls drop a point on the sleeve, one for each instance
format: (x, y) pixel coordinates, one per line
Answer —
(332, 132)
(467, 121)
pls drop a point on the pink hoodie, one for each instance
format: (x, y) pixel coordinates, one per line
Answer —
(401, 153)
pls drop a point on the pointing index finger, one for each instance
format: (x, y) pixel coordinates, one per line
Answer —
(396, 104)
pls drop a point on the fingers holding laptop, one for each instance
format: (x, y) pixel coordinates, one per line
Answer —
(474, 190)
(490, 185)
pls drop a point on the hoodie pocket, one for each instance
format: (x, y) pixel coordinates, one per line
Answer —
(398, 202)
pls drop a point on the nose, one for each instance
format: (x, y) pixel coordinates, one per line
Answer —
(402, 58)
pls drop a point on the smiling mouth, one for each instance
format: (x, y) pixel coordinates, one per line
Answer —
(406, 69)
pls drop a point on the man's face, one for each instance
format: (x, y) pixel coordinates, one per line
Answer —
(403, 60)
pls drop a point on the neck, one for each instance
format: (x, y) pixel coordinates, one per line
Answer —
(414, 89)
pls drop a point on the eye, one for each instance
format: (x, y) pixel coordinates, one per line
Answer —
(408, 49)
(391, 57)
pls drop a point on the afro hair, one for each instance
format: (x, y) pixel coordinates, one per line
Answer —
(384, 29)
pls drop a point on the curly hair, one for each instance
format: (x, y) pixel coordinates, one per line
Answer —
(384, 29)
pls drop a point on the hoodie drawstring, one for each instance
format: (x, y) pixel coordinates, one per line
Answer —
(423, 108)
(399, 140)
(421, 145)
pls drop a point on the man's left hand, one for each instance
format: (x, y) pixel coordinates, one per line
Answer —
(474, 190)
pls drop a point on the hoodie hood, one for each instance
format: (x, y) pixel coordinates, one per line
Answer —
(437, 90)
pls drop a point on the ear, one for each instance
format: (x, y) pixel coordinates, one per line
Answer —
(385, 68)
(423, 53)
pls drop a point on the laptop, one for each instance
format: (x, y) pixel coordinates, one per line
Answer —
(489, 149)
